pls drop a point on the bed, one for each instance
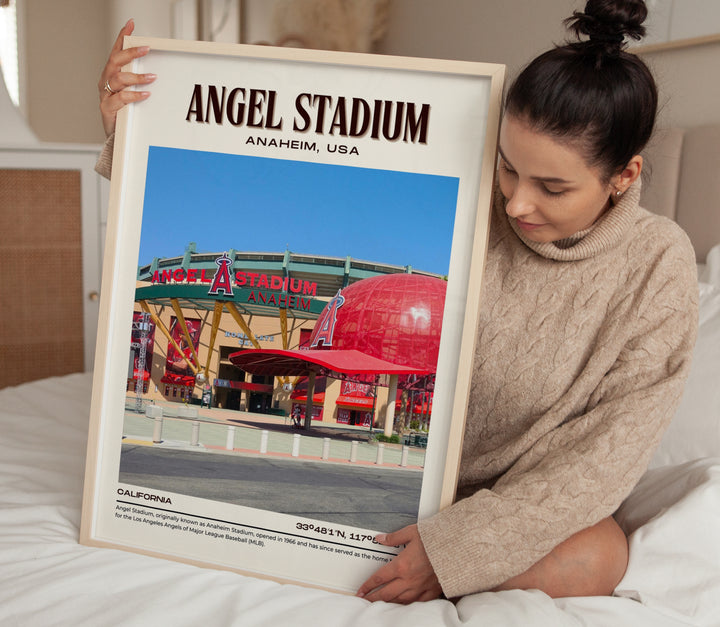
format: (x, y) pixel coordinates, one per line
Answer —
(672, 517)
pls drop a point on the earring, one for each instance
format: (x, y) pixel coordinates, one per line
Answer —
(618, 193)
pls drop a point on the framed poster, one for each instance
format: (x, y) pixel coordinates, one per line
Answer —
(252, 194)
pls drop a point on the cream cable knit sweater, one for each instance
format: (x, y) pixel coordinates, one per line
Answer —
(104, 163)
(582, 352)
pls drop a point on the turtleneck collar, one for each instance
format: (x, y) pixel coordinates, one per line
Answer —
(605, 234)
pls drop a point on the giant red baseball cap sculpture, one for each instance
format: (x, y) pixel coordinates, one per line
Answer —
(386, 324)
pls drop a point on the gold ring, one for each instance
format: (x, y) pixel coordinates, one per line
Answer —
(109, 89)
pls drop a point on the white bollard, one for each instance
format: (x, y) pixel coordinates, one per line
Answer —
(326, 449)
(153, 411)
(353, 451)
(296, 445)
(187, 411)
(404, 456)
(230, 442)
(157, 429)
(195, 437)
(264, 441)
(380, 452)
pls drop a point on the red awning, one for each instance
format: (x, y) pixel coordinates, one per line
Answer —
(244, 385)
(300, 362)
(178, 379)
(361, 402)
(318, 399)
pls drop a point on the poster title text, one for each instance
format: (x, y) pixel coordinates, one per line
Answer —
(322, 114)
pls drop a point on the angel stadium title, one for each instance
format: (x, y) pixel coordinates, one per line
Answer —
(321, 114)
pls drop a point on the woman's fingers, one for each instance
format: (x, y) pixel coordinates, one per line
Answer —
(110, 106)
(121, 80)
(112, 79)
(120, 59)
(111, 67)
(125, 31)
(380, 580)
(117, 79)
(396, 538)
(117, 101)
(408, 577)
(113, 83)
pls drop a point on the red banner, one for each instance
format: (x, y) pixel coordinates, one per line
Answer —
(177, 363)
(358, 402)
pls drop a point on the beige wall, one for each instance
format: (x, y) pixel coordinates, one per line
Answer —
(514, 31)
(67, 44)
(64, 46)
(508, 31)
(687, 79)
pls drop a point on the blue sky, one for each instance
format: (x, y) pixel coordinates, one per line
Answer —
(225, 201)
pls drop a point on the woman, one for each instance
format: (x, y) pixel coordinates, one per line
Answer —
(587, 324)
(588, 321)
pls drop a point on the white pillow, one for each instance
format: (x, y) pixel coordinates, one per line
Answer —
(709, 272)
(695, 429)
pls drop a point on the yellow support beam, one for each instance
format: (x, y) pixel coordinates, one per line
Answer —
(159, 324)
(284, 336)
(183, 326)
(241, 323)
(217, 315)
(283, 328)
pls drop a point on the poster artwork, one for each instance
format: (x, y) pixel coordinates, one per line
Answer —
(295, 242)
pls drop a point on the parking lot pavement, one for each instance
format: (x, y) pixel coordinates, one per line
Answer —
(365, 496)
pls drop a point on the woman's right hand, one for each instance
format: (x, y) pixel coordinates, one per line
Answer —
(112, 83)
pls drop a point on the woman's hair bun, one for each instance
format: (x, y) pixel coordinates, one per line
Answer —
(609, 22)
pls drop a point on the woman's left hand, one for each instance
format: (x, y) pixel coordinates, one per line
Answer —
(408, 577)
(113, 81)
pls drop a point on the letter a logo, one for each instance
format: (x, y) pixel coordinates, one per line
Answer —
(221, 281)
(325, 326)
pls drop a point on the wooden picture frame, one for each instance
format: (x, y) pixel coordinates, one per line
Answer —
(381, 151)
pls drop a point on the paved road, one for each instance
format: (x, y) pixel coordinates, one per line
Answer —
(361, 496)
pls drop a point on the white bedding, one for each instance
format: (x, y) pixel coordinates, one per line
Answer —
(47, 578)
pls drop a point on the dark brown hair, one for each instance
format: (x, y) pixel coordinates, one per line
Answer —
(591, 91)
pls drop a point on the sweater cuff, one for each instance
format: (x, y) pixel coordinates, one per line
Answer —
(461, 550)
(104, 163)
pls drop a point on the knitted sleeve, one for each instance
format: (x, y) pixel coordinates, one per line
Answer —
(104, 163)
(578, 473)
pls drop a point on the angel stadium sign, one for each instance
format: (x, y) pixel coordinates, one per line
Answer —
(255, 291)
